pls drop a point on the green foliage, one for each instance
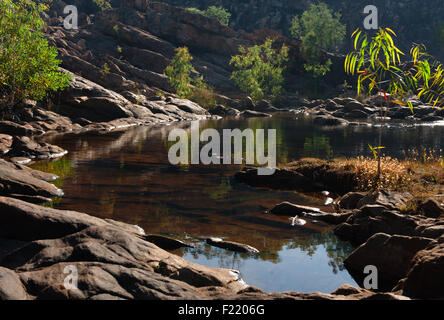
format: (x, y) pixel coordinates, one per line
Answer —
(219, 13)
(102, 4)
(380, 69)
(105, 68)
(179, 72)
(28, 65)
(179, 75)
(318, 28)
(430, 76)
(259, 70)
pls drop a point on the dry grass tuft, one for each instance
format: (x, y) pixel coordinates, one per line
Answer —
(394, 174)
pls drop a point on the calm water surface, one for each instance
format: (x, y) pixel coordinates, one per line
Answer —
(126, 176)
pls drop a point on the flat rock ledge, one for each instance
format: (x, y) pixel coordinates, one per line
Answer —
(40, 246)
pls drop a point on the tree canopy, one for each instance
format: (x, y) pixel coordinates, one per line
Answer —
(318, 28)
(28, 65)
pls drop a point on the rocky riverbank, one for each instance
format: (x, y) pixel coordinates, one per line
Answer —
(406, 246)
(114, 260)
(349, 111)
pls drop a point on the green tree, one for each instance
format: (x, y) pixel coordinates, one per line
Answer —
(28, 65)
(318, 28)
(179, 72)
(377, 62)
(259, 70)
(219, 13)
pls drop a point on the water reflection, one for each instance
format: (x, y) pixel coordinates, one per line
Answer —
(126, 176)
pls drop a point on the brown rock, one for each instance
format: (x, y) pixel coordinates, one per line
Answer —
(232, 246)
(350, 200)
(11, 287)
(13, 181)
(431, 208)
(290, 209)
(391, 255)
(425, 279)
(386, 198)
(27, 148)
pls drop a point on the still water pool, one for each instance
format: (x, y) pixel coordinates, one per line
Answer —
(126, 176)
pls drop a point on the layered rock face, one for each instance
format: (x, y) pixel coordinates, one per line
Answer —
(413, 20)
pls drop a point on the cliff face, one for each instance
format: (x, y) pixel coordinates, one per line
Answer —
(136, 40)
(414, 20)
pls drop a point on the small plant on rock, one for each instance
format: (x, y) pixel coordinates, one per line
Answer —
(179, 72)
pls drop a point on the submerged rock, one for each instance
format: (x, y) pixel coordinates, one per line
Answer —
(254, 114)
(232, 246)
(289, 209)
(328, 120)
(166, 243)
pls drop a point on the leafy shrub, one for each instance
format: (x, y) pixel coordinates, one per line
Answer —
(28, 65)
(219, 13)
(318, 28)
(259, 70)
(179, 72)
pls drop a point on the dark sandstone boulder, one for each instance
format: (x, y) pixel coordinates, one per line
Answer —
(425, 279)
(290, 209)
(113, 262)
(24, 182)
(386, 198)
(350, 200)
(391, 255)
(12, 128)
(372, 219)
(27, 148)
(431, 208)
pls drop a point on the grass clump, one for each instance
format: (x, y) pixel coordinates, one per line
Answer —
(394, 173)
